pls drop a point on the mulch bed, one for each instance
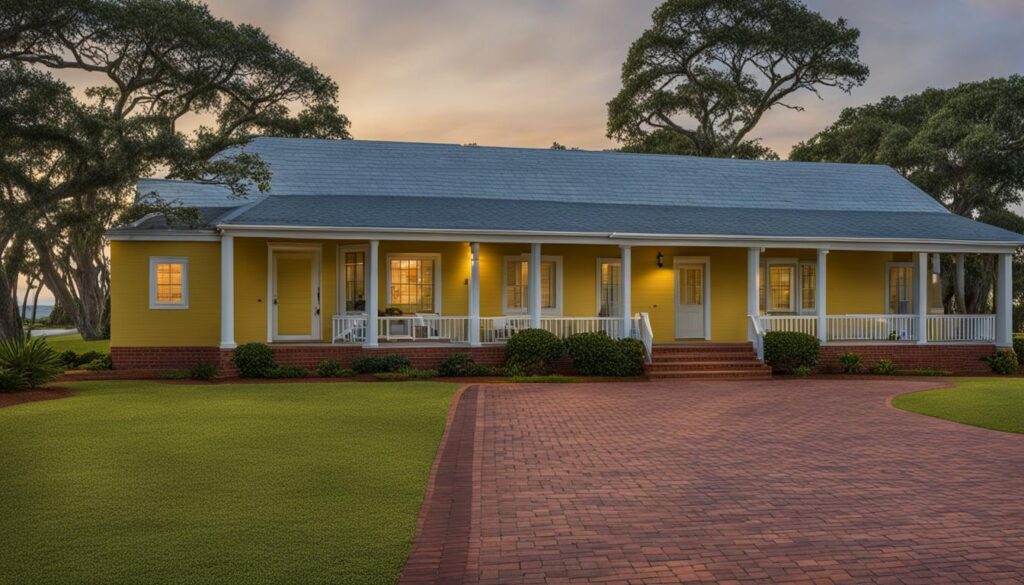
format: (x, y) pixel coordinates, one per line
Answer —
(12, 398)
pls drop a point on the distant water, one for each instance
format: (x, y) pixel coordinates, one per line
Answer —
(41, 312)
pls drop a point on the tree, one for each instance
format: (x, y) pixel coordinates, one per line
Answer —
(964, 146)
(702, 77)
(157, 62)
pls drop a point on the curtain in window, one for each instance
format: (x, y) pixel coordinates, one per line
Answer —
(901, 290)
(517, 285)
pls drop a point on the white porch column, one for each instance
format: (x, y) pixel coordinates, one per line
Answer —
(227, 292)
(921, 295)
(753, 289)
(474, 294)
(372, 294)
(534, 286)
(627, 292)
(1004, 301)
(821, 296)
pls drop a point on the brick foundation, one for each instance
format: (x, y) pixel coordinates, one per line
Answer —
(958, 359)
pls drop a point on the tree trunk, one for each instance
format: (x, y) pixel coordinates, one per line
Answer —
(35, 306)
(79, 285)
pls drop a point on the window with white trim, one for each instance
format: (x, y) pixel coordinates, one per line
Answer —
(414, 283)
(780, 288)
(609, 288)
(353, 286)
(168, 282)
(808, 286)
(900, 289)
(516, 284)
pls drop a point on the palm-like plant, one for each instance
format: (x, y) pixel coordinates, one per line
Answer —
(28, 361)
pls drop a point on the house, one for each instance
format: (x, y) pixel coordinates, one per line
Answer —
(426, 249)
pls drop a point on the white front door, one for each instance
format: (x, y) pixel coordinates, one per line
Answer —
(691, 293)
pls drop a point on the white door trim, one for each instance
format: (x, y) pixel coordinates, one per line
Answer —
(316, 298)
(706, 261)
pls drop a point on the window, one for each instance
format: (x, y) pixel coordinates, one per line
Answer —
(517, 284)
(354, 285)
(168, 283)
(808, 286)
(762, 292)
(900, 289)
(780, 288)
(609, 289)
(414, 283)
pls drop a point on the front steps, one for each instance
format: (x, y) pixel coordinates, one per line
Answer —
(707, 361)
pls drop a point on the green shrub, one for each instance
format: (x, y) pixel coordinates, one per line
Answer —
(203, 371)
(1018, 348)
(88, 357)
(884, 367)
(802, 371)
(851, 362)
(596, 354)
(460, 365)
(513, 370)
(1004, 362)
(331, 369)
(101, 363)
(283, 372)
(380, 364)
(420, 374)
(69, 359)
(9, 381)
(174, 375)
(785, 351)
(533, 350)
(30, 361)
(254, 360)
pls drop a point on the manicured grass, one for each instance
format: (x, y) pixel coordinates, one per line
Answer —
(143, 482)
(991, 403)
(75, 343)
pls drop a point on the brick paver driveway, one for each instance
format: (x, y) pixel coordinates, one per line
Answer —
(752, 482)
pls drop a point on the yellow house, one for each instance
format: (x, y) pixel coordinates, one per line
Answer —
(364, 246)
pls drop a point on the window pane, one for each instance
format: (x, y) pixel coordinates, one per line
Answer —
(169, 289)
(691, 285)
(547, 285)
(412, 285)
(901, 291)
(808, 286)
(611, 275)
(780, 284)
(515, 284)
(761, 289)
(355, 281)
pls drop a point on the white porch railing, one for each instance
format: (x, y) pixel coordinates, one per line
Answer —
(642, 326)
(800, 323)
(756, 321)
(961, 328)
(872, 328)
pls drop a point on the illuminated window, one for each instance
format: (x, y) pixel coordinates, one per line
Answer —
(901, 289)
(780, 288)
(609, 275)
(355, 281)
(414, 283)
(168, 283)
(517, 284)
(808, 286)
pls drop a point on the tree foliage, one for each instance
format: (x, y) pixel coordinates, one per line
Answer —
(155, 65)
(964, 146)
(702, 77)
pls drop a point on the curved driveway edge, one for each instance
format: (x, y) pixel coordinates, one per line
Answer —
(796, 481)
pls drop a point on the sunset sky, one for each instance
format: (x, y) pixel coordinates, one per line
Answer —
(530, 72)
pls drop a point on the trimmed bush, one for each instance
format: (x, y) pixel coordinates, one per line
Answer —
(380, 364)
(203, 371)
(884, 367)
(533, 350)
(851, 362)
(284, 372)
(785, 351)
(1003, 362)
(9, 382)
(331, 369)
(459, 365)
(29, 361)
(254, 360)
(1018, 348)
(101, 363)
(69, 359)
(596, 354)
(802, 371)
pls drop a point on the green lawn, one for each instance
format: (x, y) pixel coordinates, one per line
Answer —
(142, 482)
(991, 403)
(75, 343)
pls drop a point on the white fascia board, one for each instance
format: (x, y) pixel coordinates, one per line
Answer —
(499, 236)
(163, 236)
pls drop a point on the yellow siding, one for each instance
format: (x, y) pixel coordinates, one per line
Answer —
(134, 324)
(856, 284)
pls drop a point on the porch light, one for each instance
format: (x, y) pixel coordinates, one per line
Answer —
(661, 260)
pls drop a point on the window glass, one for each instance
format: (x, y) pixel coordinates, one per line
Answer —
(169, 283)
(780, 288)
(611, 289)
(761, 290)
(412, 285)
(808, 286)
(355, 281)
(901, 291)
(691, 285)
(517, 285)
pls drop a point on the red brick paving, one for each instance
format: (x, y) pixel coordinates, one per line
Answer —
(815, 481)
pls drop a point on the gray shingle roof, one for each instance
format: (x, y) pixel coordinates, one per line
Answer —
(190, 193)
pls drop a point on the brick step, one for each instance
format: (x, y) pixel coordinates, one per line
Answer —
(747, 374)
(704, 347)
(703, 357)
(710, 365)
